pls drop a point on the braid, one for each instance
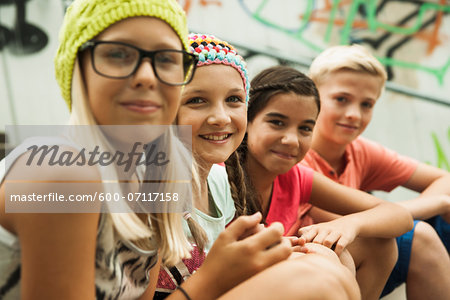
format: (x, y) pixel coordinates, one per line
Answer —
(243, 193)
(268, 86)
(198, 234)
(238, 187)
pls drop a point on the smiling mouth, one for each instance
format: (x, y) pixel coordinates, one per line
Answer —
(348, 126)
(211, 137)
(141, 107)
(284, 155)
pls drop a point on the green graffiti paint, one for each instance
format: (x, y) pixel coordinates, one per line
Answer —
(442, 161)
(373, 25)
(439, 73)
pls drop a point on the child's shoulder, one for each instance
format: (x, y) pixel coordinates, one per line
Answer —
(218, 172)
(218, 178)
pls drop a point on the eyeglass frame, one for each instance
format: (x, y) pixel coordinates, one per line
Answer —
(91, 44)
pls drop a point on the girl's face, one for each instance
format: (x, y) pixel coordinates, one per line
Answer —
(280, 134)
(347, 101)
(213, 103)
(141, 98)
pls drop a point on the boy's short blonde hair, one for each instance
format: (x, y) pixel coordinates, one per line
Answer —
(347, 57)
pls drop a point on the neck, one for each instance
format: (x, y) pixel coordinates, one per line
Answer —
(203, 169)
(333, 153)
(202, 203)
(262, 181)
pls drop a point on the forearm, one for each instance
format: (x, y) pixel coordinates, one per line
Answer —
(440, 186)
(425, 207)
(434, 199)
(198, 286)
(385, 220)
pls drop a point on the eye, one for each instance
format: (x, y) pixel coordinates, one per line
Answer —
(276, 123)
(118, 53)
(234, 99)
(168, 57)
(367, 104)
(341, 99)
(305, 129)
(196, 100)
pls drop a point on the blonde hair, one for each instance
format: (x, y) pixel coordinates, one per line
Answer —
(165, 231)
(348, 57)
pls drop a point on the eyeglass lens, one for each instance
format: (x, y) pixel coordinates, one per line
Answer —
(118, 60)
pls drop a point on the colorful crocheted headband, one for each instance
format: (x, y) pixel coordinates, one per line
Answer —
(85, 19)
(211, 50)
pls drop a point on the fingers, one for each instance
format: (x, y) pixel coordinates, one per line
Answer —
(294, 240)
(341, 244)
(252, 231)
(308, 233)
(277, 253)
(327, 237)
(268, 237)
(241, 226)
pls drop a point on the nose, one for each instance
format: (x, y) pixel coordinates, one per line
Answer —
(290, 138)
(353, 112)
(219, 116)
(145, 75)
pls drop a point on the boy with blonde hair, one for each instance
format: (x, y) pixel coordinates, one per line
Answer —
(350, 80)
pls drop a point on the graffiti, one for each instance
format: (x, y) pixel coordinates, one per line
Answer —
(387, 26)
(442, 161)
(186, 4)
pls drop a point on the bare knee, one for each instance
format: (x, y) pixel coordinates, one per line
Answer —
(381, 251)
(426, 241)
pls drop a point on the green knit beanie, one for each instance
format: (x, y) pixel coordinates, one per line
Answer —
(85, 19)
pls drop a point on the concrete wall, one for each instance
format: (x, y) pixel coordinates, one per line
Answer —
(412, 38)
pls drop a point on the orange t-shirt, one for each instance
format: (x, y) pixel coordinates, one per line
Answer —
(370, 166)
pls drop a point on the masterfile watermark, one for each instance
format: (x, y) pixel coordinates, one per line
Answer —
(147, 157)
(139, 168)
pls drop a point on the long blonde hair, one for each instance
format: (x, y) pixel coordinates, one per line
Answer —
(165, 231)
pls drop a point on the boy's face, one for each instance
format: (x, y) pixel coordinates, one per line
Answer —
(347, 100)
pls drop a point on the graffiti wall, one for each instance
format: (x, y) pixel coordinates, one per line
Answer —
(410, 37)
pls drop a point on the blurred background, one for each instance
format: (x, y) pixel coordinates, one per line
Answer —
(410, 37)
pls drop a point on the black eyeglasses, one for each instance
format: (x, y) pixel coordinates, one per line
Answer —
(120, 60)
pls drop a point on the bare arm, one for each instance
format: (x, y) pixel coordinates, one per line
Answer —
(57, 249)
(233, 259)
(374, 217)
(311, 276)
(154, 273)
(434, 186)
(364, 215)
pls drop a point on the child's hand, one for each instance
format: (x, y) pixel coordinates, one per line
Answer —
(236, 256)
(336, 234)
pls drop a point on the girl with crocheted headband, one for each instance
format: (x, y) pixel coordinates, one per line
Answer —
(214, 103)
